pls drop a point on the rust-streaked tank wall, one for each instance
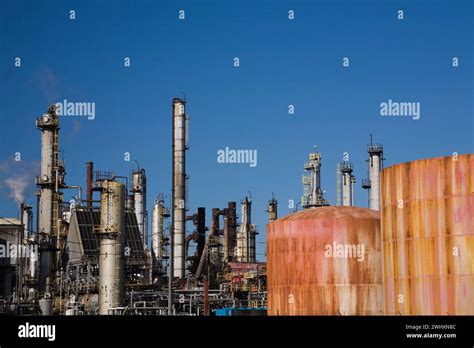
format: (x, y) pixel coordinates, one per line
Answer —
(304, 280)
(428, 236)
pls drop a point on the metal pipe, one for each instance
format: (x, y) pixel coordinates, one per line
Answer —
(79, 188)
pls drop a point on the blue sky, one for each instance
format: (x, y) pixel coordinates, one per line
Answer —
(282, 62)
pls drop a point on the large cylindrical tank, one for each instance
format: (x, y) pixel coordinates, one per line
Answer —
(111, 234)
(428, 236)
(325, 261)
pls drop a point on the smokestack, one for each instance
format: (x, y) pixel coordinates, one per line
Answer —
(48, 182)
(230, 218)
(139, 197)
(376, 164)
(179, 147)
(201, 230)
(214, 245)
(111, 234)
(27, 221)
(89, 174)
(232, 223)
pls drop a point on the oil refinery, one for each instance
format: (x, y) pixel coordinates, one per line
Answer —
(409, 252)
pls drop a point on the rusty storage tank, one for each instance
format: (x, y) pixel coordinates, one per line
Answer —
(428, 236)
(325, 261)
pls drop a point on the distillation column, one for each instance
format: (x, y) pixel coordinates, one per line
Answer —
(179, 187)
(111, 234)
(48, 183)
(347, 183)
(159, 214)
(272, 210)
(313, 195)
(139, 198)
(246, 234)
(376, 165)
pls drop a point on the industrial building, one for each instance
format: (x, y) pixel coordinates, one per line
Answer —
(409, 252)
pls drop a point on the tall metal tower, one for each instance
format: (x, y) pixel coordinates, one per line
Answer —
(49, 183)
(313, 195)
(375, 167)
(348, 181)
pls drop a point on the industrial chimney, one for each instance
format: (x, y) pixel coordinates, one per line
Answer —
(89, 176)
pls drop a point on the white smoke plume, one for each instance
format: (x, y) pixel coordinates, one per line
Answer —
(17, 178)
(18, 186)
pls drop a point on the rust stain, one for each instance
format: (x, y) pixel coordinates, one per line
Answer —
(427, 216)
(303, 280)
